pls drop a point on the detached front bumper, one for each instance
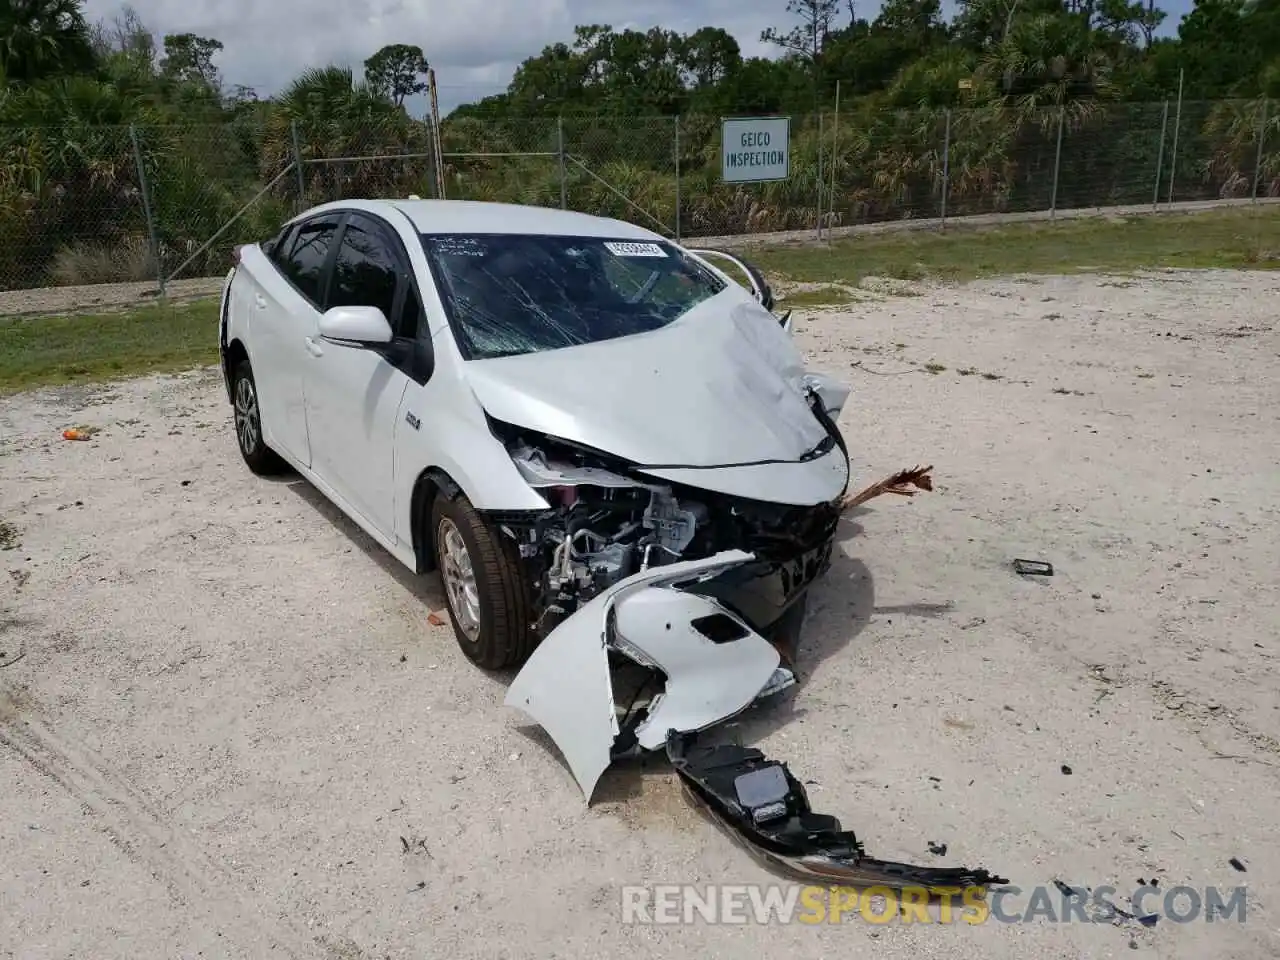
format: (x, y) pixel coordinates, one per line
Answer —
(714, 663)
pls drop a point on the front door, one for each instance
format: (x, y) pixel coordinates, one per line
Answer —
(353, 393)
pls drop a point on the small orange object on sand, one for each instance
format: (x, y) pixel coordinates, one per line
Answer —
(435, 619)
(74, 435)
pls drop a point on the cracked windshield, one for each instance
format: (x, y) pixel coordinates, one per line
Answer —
(515, 294)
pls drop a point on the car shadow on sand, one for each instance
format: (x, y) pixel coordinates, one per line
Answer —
(424, 587)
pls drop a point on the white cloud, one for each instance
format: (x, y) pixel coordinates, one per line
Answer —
(473, 46)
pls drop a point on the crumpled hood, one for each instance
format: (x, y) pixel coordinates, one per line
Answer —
(721, 385)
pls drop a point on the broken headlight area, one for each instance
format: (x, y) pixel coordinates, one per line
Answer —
(764, 807)
(606, 523)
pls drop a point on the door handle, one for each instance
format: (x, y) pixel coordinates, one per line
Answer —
(314, 348)
(260, 301)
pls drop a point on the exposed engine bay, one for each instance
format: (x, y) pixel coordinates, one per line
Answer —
(604, 526)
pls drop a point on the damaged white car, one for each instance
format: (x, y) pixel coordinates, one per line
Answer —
(610, 450)
(591, 431)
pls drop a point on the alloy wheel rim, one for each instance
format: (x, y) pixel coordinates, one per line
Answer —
(246, 415)
(459, 579)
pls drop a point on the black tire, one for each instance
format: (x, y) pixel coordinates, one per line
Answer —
(494, 632)
(247, 419)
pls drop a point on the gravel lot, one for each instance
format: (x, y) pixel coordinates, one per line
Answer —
(232, 732)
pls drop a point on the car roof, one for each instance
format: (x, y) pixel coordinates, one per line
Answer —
(473, 216)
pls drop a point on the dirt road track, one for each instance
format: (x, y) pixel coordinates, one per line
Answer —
(232, 732)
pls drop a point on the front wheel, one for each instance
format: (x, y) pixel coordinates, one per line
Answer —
(484, 584)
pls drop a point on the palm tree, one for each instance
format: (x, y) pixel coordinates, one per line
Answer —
(338, 120)
(43, 38)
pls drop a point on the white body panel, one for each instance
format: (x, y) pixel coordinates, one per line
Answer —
(565, 685)
(707, 682)
(269, 314)
(357, 397)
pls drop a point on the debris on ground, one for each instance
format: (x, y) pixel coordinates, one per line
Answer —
(80, 433)
(1235, 862)
(1066, 770)
(1033, 568)
(435, 619)
(759, 803)
(901, 484)
(937, 849)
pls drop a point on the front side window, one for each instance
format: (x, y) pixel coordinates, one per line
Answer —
(510, 294)
(364, 272)
(304, 263)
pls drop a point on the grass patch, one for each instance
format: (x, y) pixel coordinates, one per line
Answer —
(825, 296)
(1230, 239)
(157, 338)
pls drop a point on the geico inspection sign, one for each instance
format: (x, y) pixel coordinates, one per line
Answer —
(755, 149)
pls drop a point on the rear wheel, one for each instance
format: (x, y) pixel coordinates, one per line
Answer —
(247, 414)
(484, 585)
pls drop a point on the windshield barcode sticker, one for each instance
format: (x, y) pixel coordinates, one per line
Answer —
(635, 249)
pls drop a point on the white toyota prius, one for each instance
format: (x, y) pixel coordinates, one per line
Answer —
(606, 446)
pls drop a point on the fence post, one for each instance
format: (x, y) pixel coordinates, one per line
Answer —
(564, 186)
(1262, 139)
(835, 155)
(432, 175)
(677, 158)
(1057, 165)
(1177, 125)
(1164, 129)
(946, 168)
(146, 206)
(819, 218)
(297, 165)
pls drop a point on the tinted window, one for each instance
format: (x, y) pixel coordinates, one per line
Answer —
(510, 294)
(277, 246)
(304, 265)
(367, 273)
(364, 272)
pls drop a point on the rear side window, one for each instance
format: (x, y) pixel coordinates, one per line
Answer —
(277, 245)
(304, 264)
(364, 272)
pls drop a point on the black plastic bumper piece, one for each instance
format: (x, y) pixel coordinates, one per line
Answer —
(758, 802)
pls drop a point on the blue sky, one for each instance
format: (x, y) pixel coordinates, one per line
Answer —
(473, 45)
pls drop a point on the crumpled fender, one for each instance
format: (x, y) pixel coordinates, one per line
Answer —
(566, 688)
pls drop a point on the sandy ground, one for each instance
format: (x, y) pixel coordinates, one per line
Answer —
(101, 297)
(231, 731)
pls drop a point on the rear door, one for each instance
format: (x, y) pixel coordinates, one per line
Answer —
(354, 393)
(285, 299)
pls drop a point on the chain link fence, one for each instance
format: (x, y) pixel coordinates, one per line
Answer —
(83, 205)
